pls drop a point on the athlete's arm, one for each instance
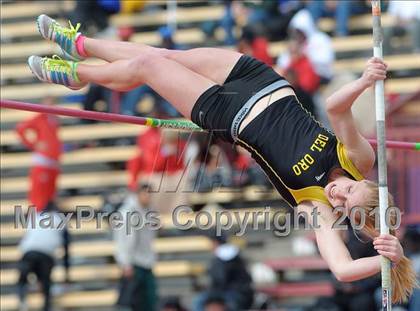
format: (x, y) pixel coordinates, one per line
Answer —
(333, 250)
(338, 107)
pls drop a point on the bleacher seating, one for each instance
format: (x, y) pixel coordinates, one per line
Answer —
(20, 39)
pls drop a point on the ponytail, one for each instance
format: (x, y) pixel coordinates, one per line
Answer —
(403, 277)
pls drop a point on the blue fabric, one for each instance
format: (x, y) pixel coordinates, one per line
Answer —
(166, 32)
(65, 79)
(230, 298)
(60, 77)
(54, 77)
(132, 98)
(228, 23)
(342, 13)
(414, 303)
(67, 45)
(113, 6)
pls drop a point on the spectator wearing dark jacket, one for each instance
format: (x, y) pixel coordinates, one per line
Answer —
(135, 255)
(229, 278)
(38, 246)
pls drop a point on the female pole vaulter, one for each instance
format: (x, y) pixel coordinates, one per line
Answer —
(243, 101)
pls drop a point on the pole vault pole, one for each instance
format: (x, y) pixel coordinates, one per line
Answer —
(151, 122)
(381, 150)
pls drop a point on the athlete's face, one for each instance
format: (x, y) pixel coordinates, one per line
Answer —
(347, 193)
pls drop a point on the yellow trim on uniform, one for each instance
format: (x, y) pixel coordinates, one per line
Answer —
(313, 193)
(346, 163)
(316, 193)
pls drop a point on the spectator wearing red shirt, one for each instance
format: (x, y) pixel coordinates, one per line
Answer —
(157, 152)
(306, 77)
(300, 72)
(47, 148)
(255, 46)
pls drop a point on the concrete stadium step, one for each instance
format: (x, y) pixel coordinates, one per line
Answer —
(81, 156)
(182, 36)
(111, 272)
(105, 248)
(78, 299)
(70, 181)
(79, 133)
(67, 204)
(77, 181)
(34, 8)
(182, 16)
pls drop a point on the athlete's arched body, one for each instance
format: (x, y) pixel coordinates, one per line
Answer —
(244, 101)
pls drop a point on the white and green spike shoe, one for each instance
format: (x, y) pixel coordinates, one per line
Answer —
(56, 70)
(65, 37)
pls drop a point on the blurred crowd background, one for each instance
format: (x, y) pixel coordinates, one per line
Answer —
(57, 165)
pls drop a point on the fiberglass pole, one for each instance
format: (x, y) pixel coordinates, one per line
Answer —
(382, 163)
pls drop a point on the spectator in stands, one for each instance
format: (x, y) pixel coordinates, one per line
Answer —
(148, 157)
(156, 153)
(97, 98)
(255, 46)
(38, 246)
(135, 255)
(301, 75)
(172, 304)
(268, 17)
(215, 171)
(340, 10)
(229, 279)
(307, 39)
(102, 9)
(406, 16)
(301, 67)
(215, 303)
(227, 22)
(256, 13)
(83, 14)
(46, 147)
(305, 97)
(358, 295)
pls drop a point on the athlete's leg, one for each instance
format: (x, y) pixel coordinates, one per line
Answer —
(215, 64)
(176, 83)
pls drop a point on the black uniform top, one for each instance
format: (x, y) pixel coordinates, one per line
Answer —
(295, 151)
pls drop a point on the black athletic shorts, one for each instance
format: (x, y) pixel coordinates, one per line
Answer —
(222, 108)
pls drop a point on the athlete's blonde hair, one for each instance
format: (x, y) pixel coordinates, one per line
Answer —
(403, 277)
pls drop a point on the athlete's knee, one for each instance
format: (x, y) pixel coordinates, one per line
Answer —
(145, 61)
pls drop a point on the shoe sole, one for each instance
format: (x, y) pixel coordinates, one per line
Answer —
(30, 64)
(38, 19)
